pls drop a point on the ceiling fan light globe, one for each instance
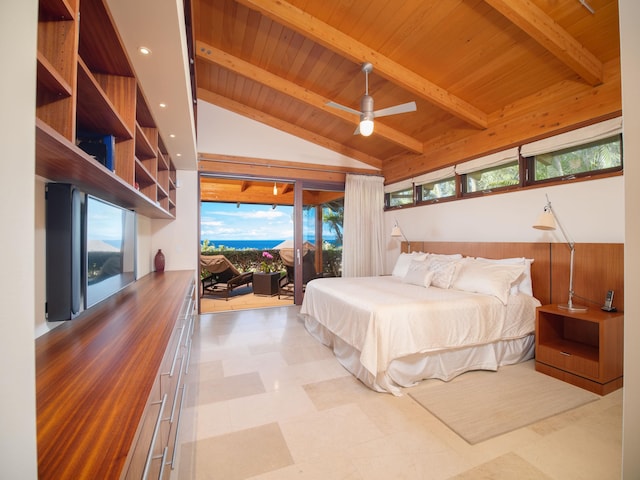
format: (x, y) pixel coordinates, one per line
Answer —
(366, 127)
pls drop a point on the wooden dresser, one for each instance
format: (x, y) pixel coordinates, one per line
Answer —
(110, 383)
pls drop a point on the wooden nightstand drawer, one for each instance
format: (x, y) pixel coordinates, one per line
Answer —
(566, 358)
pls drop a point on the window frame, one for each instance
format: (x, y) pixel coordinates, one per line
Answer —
(530, 165)
(526, 166)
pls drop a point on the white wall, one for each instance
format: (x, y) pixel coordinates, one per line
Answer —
(591, 211)
(18, 33)
(630, 39)
(226, 133)
(178, 238)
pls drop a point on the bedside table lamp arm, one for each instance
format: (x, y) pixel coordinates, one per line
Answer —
(548, 220)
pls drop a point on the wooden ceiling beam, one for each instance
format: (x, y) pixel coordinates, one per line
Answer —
(539, 26)
(219, 57)
(330, 37)
(557, 109)
(274, 122)
(234, 167)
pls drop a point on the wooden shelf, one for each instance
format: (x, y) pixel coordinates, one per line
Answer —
(86, 85)
(50, 79)
(100, 44)
(61, 161)
(57, 10)
(96, 113)
(144, 149)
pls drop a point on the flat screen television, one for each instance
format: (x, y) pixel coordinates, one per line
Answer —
(90, 250)
(110, 249)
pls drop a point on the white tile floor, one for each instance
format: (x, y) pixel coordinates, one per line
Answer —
(267, 401)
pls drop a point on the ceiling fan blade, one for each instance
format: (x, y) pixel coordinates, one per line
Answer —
(402, 108)
(342, 107)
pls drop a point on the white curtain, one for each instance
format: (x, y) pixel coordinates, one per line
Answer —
(488, 161)
(592, 133)
(363, 240)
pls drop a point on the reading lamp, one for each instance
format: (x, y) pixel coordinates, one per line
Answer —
(547, 221)
(396, 232)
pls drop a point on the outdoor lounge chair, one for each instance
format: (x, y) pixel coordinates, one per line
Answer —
(286, 285)
(223, 276)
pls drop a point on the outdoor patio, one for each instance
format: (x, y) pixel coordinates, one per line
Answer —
(241, 298)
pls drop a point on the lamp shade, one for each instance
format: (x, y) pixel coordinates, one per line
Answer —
(396, 232)
(366, 127)
(545, 221)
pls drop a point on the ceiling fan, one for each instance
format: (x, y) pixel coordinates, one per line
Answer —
(367, 114)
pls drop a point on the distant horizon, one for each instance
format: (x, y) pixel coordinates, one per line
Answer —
(258, 244)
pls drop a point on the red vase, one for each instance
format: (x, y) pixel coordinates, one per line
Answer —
(158, 261)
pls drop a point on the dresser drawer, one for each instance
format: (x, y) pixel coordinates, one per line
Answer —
(569, 360)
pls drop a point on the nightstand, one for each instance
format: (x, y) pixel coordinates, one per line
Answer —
(581, 348)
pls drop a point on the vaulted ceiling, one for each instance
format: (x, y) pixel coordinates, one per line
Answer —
(485, 74)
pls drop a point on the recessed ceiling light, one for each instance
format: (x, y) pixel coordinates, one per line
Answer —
(178, 154)
(163, 105)
(172, 135)
(144, 50)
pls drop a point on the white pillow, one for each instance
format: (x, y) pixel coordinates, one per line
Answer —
(487, 278)
(443, 270)
(403, 261)
(418, 274)
(442, 256)
(523, 283)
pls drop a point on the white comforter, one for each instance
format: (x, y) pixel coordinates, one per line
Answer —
(386, 319)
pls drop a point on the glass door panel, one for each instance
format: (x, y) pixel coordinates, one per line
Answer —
(320, 240)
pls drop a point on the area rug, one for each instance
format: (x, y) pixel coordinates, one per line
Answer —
(480, 405)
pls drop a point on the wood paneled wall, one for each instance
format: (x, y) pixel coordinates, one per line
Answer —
(598, 267)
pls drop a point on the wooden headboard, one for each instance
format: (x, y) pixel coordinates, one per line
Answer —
(598, 267)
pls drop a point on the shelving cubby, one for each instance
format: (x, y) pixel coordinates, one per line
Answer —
(87, 87)
(56, 65)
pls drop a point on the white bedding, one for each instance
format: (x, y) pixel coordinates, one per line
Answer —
(382, 320)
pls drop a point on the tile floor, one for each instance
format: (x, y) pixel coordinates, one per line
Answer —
(266, 401)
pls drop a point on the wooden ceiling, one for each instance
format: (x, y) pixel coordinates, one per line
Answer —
(485, 74)
(251, 191)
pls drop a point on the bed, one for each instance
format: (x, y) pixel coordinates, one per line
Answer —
(394, 331)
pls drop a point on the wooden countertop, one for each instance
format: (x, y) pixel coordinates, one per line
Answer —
(94, 375)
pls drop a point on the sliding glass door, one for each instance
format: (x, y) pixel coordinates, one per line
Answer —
(318, 213)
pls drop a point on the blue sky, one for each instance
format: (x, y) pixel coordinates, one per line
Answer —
(106, 221)
(225, 221)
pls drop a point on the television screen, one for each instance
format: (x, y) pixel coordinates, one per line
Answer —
(110, 249)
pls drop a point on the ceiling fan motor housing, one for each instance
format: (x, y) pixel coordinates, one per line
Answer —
(366, 104)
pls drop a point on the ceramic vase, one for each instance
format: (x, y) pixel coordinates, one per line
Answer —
(158, 261)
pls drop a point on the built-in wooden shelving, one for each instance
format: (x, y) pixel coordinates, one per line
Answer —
(87, 86)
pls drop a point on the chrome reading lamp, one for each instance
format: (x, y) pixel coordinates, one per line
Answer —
(396, 232)
(547, 221)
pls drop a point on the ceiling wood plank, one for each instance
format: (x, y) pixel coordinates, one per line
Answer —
(557, 109)
(262, 117)
(531, 19)
(300, 21)
(211, 54)
(216, 189)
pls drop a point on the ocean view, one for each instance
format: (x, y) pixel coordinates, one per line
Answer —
(254, 244)
(245, 244)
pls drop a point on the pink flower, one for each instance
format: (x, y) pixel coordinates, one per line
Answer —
(267, 255)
